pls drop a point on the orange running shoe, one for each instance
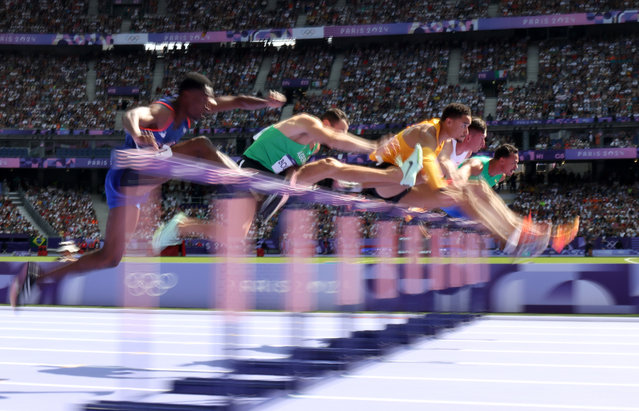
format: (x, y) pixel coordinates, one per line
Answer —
(534, 238)
(564, 234)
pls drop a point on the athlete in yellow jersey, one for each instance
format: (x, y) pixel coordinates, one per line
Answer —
(418, 147)
(441, 141)
(431, 136)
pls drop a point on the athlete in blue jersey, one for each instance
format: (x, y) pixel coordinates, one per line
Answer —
(163, 123)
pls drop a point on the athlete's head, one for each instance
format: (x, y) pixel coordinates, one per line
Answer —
(196, 94)
(476, 134)
(335, 119)
(507, 158)
(456, 119)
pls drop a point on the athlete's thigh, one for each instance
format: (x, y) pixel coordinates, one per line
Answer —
(121, 224)
(423, 196)
(201, 147)
(387, 191)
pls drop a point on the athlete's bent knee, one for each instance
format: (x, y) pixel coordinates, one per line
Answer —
(330, 163)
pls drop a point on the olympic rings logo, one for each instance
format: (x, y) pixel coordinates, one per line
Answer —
(151, 284)
(133, 38)
(308, 32)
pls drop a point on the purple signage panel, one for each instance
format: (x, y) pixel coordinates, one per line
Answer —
(56, 39)
(524, 22)
(80, 162)
(123, 91)
(536, 288)
(492, 75)
(25, 38)
(601, 153)
(446, 26)
(201, 37)
(273, 34)
(368, 30)
(14, 131)
(94, 39)
(9, 162)
(296, 82)
(542, 155)
(628, 16)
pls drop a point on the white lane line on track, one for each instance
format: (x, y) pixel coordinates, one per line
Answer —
(136, 332)
(115, 340)
(123, 324)
(632, 260)
(549, 334)
(113, 352)
(75, 386)
(603, 353)
(210, 371)
(490, 381)
(537, 342)
(599, 326)
(468, 403)
(511, 364)
(547, 365)
(9, 315)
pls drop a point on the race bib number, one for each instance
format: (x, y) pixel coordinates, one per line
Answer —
(282, 164)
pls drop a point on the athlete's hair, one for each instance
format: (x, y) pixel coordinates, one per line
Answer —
(505, 151)
(455, 110)
(478, 124)
(333, 115)
(194, 81)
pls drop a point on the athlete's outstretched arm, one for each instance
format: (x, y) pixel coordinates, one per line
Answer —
(307, 129)
(226, 103)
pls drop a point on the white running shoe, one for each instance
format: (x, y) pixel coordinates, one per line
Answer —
(412, 166)
(167, 234)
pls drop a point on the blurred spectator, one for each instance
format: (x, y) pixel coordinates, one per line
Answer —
(11, 221)
(538, 7)
(508, 55)
(203, 15)
(69, 212)
(578, 79)
(605, 210)
(49, 16)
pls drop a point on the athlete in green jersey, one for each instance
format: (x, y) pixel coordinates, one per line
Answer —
(276, 149)
(491, 170)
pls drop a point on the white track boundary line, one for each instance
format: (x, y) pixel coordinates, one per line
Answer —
(490, 381)
(469, 403)
(88, 387)
(159, 354)
(631, 344)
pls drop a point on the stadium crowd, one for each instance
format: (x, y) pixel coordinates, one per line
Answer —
(70, 212)
(380, 86)
(579, 79)
(509, 56)
(51, 16)
(12, 221)
(590, 77)
(47, 16)
(606, 210)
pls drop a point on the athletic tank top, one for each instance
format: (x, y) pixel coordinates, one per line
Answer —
(458, 159)
(276, 152)
(491, 180)
(397, 146)
(166, 136)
